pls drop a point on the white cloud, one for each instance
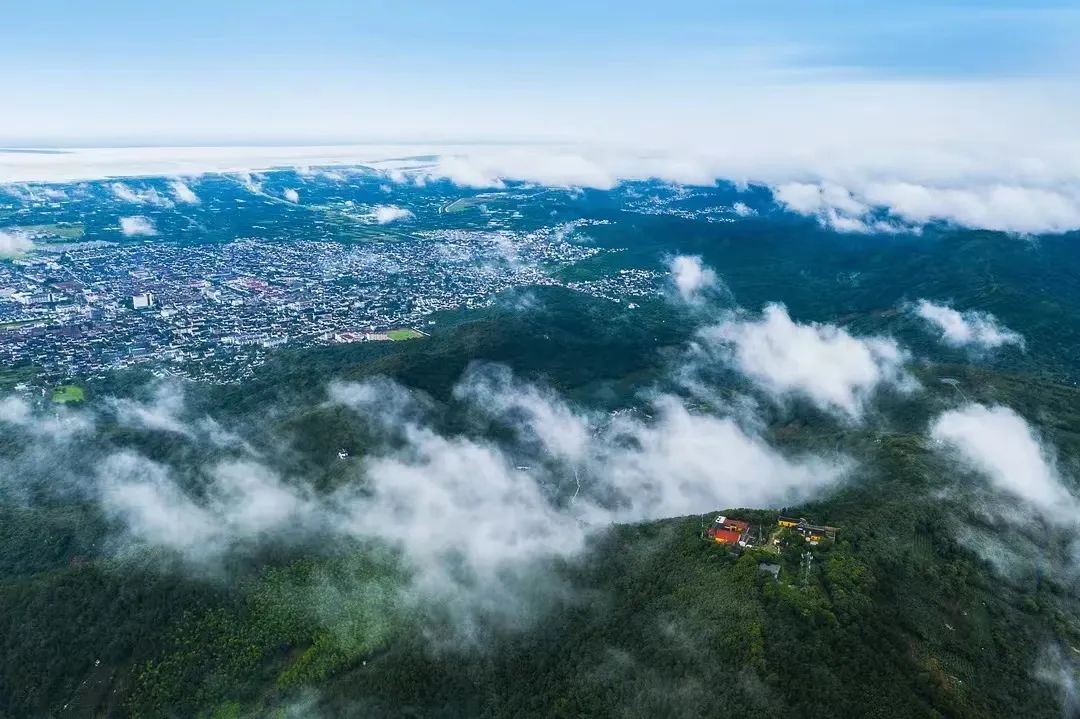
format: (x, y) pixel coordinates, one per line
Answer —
(834, 206)
(820, 362)
(15, 410)
(1001, 445)
(559, 431)
(148, 196)
(980, 205)
(691, 276)
(883, 185)
(684, 461)
(743, 210)
(498, 522)
(385, 214)
(477, 531)
(137, 226)
(162, 413)
(252, 182)
(166, 410)
(60, 424)
(14, 243)
(144, 496)
(993, 206)
(183, 192)
(243, 502)
(291, 195)
(980, 330)
(469, 523)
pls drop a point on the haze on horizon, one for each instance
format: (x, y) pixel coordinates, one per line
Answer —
(691, 73)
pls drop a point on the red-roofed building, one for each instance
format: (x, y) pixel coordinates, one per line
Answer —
(724, 536)
(730, 531)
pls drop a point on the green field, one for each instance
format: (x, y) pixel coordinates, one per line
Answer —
(68, 393)
(405, 334)
(64, 231)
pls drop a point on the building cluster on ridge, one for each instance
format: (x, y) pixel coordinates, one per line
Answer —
(741, 533)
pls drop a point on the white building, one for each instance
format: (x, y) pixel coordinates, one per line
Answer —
(143, 301)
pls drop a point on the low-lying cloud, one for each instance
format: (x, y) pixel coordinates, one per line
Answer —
(822, 363)
(14, 243)
(692, 278)
(137, 226)
(244, 502)
(978, 330)
(478, 523)
(148, 196)
(1000, 445)
(385, 214)
(183, 192)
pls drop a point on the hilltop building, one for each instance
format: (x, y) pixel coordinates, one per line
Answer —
(734, 532)
(812, 533)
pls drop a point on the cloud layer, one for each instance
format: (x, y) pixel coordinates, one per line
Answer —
(476, 522)
(1022, 188)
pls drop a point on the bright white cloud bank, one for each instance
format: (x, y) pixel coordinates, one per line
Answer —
(991, 206)
(1014, 187)
(980, 330)
(1001, 445)
(822, 363)
(137, 226)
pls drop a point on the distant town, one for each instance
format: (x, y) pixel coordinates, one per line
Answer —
(214, 310)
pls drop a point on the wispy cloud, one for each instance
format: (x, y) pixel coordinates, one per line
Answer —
(978, 330)
(14, 243)
(148, 196)
(1000, 445)
(252, 182)
(503, 511)
(183, 192)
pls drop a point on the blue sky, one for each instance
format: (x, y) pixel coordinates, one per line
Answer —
(328, 71)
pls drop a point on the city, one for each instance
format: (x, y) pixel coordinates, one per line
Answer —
(214, 310)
